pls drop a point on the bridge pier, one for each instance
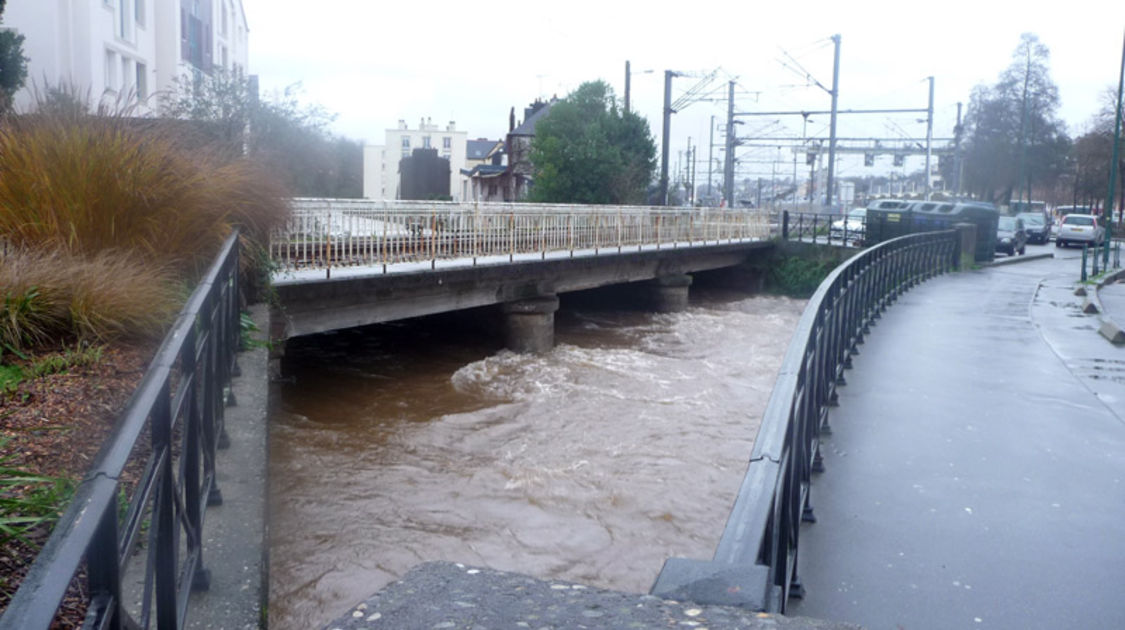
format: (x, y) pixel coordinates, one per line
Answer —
(670, 293)
(529, 325)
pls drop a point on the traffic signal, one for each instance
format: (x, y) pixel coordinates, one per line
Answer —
(810, 157)
(869, 159)
(900, 159)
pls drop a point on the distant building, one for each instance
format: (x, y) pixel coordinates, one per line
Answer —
(485, 163)
(381, 176)
(513, 181)
(126, 50)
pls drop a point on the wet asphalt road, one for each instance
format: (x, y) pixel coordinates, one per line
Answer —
(976, 473)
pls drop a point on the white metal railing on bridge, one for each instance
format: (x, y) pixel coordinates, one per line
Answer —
(327, 233)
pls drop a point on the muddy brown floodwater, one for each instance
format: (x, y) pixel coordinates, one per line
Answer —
(422, 440)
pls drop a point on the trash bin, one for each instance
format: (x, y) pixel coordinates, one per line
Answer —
(887, 219)
(929, 216)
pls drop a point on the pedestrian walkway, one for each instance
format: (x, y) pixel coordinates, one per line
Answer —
(976, 471)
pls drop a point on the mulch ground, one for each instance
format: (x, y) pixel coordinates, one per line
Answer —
(54, 426)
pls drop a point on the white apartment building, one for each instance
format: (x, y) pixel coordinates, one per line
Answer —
(125, 50)
(380, 162)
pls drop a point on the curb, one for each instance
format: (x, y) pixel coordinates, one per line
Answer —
(1011, 260)
(1092, 304)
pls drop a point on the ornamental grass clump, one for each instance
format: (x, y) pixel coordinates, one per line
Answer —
(51, 296)
(84, 184)
(104, 218)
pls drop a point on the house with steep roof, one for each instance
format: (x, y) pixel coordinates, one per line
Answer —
(510, 178)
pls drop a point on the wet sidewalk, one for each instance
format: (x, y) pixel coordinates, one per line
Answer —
(976, 472)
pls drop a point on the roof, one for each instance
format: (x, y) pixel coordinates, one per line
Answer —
(528, 126)
(479, 149)
(485, 170)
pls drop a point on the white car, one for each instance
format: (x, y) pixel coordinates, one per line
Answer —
(1080, 229)
(853, 225)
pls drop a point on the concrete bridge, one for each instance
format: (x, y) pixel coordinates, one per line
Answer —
(343, 264)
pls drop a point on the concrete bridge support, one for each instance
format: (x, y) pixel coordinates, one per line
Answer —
(670, 293)
(529, 325)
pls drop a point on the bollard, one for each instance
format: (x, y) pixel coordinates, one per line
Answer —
(1085, 249)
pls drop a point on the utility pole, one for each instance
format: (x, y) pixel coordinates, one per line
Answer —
(693, 151)
(1023, 131)
(728, 175)
(1116, 140)
(668, 74)
(832, 125)
(929, 136)
(710, 160)
(957, 153)
(627, 79)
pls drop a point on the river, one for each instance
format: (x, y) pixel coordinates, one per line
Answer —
(423, 440)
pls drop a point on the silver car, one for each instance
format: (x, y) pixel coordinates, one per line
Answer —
(1080, 229)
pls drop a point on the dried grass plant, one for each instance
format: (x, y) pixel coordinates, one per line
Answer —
(103, 218)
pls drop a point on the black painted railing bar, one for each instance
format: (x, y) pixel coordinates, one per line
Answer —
(184, 385)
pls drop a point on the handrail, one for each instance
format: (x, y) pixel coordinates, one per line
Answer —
(329, 233)
(763, 527)
(180, 401)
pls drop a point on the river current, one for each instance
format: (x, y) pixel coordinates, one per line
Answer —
(422, 440)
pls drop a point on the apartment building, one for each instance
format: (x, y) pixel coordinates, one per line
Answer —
(381, 162)
(125, 50)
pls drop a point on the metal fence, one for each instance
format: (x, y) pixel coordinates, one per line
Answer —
(328, 233)
(143, 550)
(764, 525)
(825, 229)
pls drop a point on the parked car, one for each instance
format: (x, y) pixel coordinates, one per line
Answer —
(851, 226)
(1080, 229)
(1037, 225)
(1011, 236)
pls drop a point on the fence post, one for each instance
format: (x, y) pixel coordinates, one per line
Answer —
(785, 225)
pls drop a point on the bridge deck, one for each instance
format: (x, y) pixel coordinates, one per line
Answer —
(976, 473)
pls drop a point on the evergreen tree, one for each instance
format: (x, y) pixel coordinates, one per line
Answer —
(13, 65)
(585, 150)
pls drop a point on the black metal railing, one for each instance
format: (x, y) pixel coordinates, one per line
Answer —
(825, 229)
(143, 559)
(762, 530)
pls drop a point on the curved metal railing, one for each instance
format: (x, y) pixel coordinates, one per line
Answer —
(159, 533)
(763, 527)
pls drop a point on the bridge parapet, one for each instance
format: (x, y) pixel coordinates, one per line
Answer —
(330, 233)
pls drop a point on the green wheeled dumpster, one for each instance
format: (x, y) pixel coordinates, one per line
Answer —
(887, 219)
(929, 216)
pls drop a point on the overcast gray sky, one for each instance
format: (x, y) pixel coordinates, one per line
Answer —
(375, 62)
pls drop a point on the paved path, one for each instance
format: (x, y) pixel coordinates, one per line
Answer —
(976, 474)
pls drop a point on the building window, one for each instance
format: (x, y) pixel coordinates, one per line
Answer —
(125, 19)
(139, 11)
(142, 82)
(110, 70)
(447, 142)
(426, 142)
(406, 142)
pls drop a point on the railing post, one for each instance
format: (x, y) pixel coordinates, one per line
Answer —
(104, 571)
(785, 225)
